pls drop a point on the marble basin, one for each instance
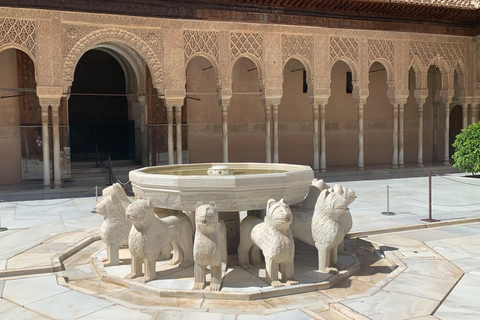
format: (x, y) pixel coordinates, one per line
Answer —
(180, 187)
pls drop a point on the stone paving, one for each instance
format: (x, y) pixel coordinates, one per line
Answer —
(410, 269)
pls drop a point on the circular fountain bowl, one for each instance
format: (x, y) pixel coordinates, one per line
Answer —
(181, 187)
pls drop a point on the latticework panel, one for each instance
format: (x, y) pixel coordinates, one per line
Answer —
(20, 32)
(294, 44)
(343, 47)
(426, 52)
(242, 42)
(380, 49)
(197, 41)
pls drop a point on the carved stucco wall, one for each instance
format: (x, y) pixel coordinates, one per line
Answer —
(19, 33)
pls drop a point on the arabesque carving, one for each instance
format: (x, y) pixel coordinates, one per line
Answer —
(295, 44)
(343, 47)
(127, 37)
(380, 49)
(243, 42)
(197, 41)
(20, 32)
(452, 53)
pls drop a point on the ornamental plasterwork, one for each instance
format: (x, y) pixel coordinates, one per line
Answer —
(460, 4)
(19, 32)
(380, 49)
(197, 41)
(244, 42)
(88, 37)
(343, 47)
(294, 44)
(427, 52)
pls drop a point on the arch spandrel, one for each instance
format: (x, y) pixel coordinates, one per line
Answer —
(117, 36)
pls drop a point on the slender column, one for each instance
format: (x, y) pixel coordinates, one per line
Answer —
(323, 157)
(474, 113)
(395, 136)
(316, 166)
(360, 137)
(171, 158)
(401, 136)
(178, 121)
(57, 173)
(275, 133)
(45, 147)
(420, 133)
(225, 132)
(446, 155)
(268, 133)
(465, 115)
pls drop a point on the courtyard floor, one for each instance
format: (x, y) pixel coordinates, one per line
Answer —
(410, 269)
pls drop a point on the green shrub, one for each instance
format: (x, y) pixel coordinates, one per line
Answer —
(467, 149)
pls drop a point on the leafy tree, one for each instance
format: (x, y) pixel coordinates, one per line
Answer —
(467, 149)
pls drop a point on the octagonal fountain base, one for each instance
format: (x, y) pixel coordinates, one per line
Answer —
(238, 283)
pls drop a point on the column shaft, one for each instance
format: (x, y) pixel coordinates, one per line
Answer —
(171, 157)
(178, 120)
(316, 165)
(360, 138)
(45, 147)
(57, 173)
(465, 115)
(395, 136)
(275, 133)
(446, 155)
(224, 133)
(420, 135)
(323, 157)
(474, 113)
(401, 136)
(268, 134)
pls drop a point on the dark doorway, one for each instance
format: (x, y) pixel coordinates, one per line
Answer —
(98, 119)
(455, 126)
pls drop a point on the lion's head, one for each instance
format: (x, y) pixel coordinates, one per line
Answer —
(206, 216)
(278, 214)
(109, 205)
(139, 211)
(331, 204)
(345, 192)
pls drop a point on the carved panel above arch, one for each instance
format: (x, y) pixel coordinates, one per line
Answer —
(244, 42)
(197, 41)
(380, 49)
(19, 32)
(296, 44)
(426, 52)
(343, 47)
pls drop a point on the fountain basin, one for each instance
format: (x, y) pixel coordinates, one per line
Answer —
(181, 187)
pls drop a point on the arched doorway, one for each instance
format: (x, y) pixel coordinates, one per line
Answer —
(455, 126)
(433, 115)
(204, 116)
(341, 115)
(98, 110)
(295, 117)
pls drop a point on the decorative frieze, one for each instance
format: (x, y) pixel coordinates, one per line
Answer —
(246, 43)
(380, 49)
(19, 32)
(197, 41)
(427, 52)
(343, 47)
(296, 44)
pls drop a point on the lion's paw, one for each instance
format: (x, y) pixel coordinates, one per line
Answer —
(132, 275)
(291, 282)
(277, 284)
(215, 287)
(198, 285)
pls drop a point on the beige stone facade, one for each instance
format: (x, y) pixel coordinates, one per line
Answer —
(246, 81)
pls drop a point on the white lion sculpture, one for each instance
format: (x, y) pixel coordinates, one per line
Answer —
(322, 229)
(274, 239)
(345, 219)
(115, 226)
(150, 236)
(210, 246)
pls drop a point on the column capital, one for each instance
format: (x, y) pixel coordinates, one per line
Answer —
(398, 100)
(271, 101)
(49, 92)
(174, 102)
(316, 101)
(46, 102)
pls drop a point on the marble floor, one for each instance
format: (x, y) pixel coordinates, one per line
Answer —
(422, 273)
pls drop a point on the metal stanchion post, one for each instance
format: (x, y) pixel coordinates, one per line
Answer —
(96, 193)
(429, 219)
(388, 213)
(2, 228)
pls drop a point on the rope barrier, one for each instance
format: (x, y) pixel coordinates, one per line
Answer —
(370, 191)
(46, 205)
(123, 184)
(471, 184)
(435, 204)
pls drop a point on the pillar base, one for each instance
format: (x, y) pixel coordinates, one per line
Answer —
(361, 169)
(446, 163)
(394, 167)
(323, 171)
(420, 165)
(401, 166)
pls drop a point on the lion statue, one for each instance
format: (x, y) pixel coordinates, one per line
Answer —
(210, 246)
(274, 239)
(115, 227)
(345, 219)
(150, 236)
